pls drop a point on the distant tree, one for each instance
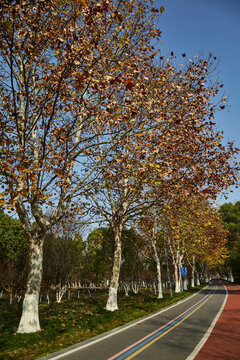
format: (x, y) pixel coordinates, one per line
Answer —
(100, 251)
(151, 227)
(63, 259)
(230, 214)
(98, 255)
(13, 253)
(133, 255)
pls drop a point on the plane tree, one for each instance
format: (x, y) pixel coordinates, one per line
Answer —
(61, 62)
(13, 250)
(173, 146)
(151, 229)
(194, 234)
(63, 259)
(230, 217)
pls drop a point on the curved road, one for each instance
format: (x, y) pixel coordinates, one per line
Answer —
(172, 333)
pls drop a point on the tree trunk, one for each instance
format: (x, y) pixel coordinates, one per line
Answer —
(230, 276)
(198, 278)
(126, 287)
(192, 278)
(193, 273)
(29, 322)
(159, 277)
(177, 279)
(160, 293)
(206, 278)
(168, 273)
(185, 283)
(113, 288)
(179, 273)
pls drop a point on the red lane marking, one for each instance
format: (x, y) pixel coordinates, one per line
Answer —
(224, 341)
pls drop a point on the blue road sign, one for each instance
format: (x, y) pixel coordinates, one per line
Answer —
(183, 270)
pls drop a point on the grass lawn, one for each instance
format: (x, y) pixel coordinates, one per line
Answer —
(71, 321)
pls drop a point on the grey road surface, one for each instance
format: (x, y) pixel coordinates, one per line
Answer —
(185, 324)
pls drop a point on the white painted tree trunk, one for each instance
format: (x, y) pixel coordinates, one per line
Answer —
(179, 272)
(192, 280)
(230, 276)
(59, 294)
(29, 322)
(126, 287)
(198, 278)
(193, 273)
(112, 299)
(206, 277)
(160, 292)
(135, 287)
(112, 294)
(154, 288)
(159, 275)
(185, 283)
(177, 279)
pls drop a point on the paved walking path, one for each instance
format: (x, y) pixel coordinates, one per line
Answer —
(224, 341)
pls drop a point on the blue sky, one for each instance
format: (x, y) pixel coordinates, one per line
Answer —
(197, 27)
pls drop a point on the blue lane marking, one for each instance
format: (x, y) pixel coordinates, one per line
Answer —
(164, 329)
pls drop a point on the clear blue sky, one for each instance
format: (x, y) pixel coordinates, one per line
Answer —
(197, 27)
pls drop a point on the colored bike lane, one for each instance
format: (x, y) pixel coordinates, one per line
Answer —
(224, 340)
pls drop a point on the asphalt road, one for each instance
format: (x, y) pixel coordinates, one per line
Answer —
(172, 334)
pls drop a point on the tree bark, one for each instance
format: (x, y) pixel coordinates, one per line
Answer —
(113, 288)
(29, 322)
(230, 276)
(185, 283)
(159, 277)
(206, 277)
(193, 272)
(198, 278)
(177, 280)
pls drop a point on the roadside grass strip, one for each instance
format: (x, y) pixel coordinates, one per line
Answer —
(134, 349)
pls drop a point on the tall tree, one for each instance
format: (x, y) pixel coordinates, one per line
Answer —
(152, 230)
(63, 259)
(99, 254)
(230, 215)
(195, 234)
(61, 61)
(173, 146)
(13, 250)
